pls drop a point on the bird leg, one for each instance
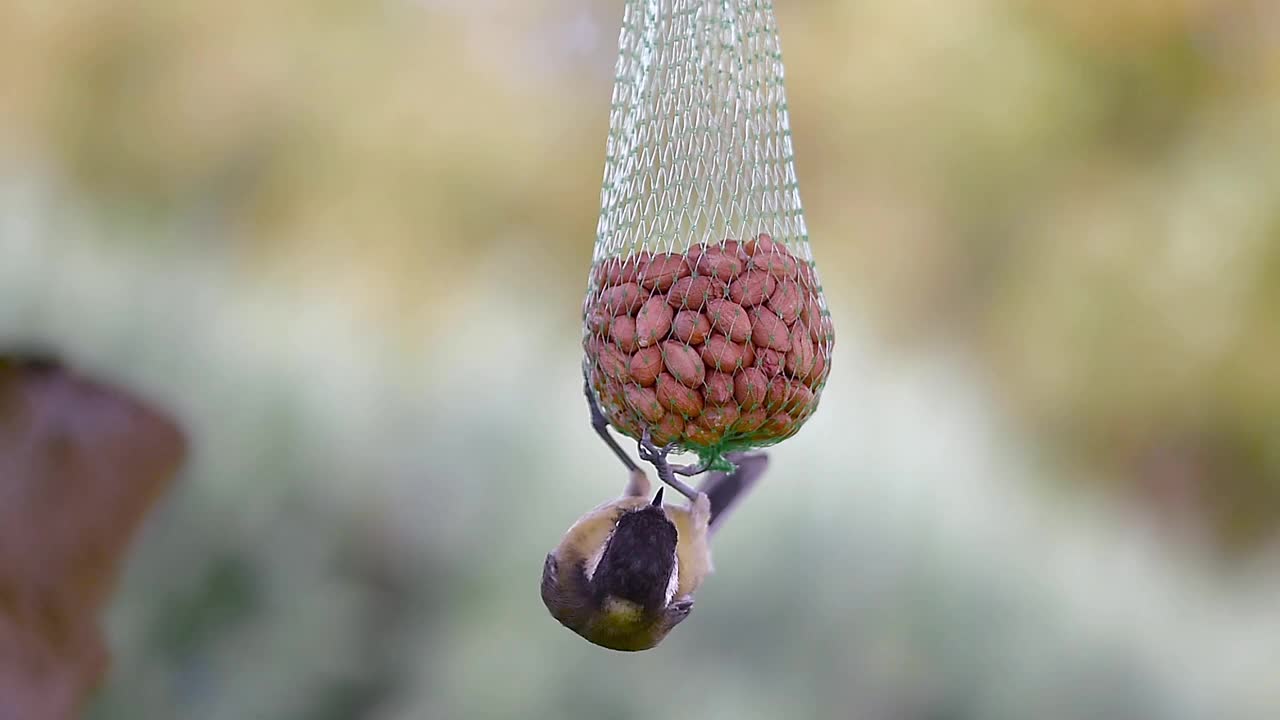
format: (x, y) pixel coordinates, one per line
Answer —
(638, 484)
(666, 472)
(601, 425)
(648, 451)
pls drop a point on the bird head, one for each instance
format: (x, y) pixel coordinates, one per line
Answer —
(615, 578)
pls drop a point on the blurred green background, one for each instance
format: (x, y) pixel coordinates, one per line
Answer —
(346, 243)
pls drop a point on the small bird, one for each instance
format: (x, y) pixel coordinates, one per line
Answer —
(624, 575)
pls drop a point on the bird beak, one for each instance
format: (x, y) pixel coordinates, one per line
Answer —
(657, 499)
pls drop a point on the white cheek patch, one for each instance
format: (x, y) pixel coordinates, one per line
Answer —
(674, 582)
(593, 562)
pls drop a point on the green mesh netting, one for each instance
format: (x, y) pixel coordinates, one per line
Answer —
(704, 318)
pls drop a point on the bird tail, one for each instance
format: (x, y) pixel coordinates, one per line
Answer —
(726, 490)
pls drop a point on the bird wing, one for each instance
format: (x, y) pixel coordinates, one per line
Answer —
(725, 490)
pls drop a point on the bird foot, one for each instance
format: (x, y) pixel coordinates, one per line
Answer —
(657, 456)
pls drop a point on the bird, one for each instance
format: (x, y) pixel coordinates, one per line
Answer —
(625, 573)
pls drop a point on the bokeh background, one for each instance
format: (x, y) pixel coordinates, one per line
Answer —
(346, 244)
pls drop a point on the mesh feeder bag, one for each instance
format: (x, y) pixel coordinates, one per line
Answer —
(704, 319)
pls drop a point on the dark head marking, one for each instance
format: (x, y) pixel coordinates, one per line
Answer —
(638, 560)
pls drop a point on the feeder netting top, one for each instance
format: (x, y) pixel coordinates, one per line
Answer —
(704, 319)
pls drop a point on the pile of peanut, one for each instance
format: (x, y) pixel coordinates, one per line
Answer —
(723, 344)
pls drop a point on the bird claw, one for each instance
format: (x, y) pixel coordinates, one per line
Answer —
(657, 456)
(650, 452)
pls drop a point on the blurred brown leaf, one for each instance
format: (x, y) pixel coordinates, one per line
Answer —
(80, 465)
